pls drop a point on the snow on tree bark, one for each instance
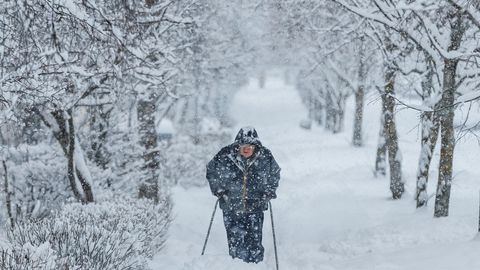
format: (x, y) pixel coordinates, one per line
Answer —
(78, 174)
(146, 109)
(359, 97)
(99, 124)
(447, 114)
(335, 111)
(394, 157)
(381, 156)
(8, 195)
(430, 127)
(330, 112)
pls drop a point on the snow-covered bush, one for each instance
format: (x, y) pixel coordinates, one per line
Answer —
(119, 234)
(36, 180)
(28, 257)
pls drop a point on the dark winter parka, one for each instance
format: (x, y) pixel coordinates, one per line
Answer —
(244, 184)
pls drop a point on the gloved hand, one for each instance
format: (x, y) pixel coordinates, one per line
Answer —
(222, 194)
(269, 195)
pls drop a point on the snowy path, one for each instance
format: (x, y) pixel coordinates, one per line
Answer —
(330, 212)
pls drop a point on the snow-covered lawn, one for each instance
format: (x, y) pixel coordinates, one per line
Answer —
(331, 213)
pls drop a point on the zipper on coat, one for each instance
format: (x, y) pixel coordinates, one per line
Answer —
(244, 186)
(244, 192)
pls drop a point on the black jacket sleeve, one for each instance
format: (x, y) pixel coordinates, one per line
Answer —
(214, 176)
(273, 178)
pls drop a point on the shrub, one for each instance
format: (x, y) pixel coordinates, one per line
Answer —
(119, 234)
(36, 180)
(28, 257)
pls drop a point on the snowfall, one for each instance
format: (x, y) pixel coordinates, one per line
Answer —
(331, 212)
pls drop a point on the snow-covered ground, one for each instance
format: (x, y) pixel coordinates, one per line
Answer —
(331, 213)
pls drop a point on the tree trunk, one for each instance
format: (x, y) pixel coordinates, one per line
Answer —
(64, 131)
(339, 114)
(394, 157)
(75, 157)
(442, 199)
(330, 113)
(358, 119)
(317, 111)
(148, 140)
(195, 121)
(447, 114)
(359, 97)
(381, 157)
(71, 164)
(8, 195)
(100, 126)
(430, 127)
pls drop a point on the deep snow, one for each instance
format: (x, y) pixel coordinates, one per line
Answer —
(331, 213)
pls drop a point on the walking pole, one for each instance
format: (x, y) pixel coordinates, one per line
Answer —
(273, 232)
(210, 227)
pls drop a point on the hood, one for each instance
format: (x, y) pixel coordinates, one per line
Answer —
(247, 135)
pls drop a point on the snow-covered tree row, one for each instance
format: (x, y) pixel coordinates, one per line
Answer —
(441, 37)
(399, 50)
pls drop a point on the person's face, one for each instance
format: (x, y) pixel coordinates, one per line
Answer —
(246, 150)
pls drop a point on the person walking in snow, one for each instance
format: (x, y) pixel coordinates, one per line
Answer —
(244, 176)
